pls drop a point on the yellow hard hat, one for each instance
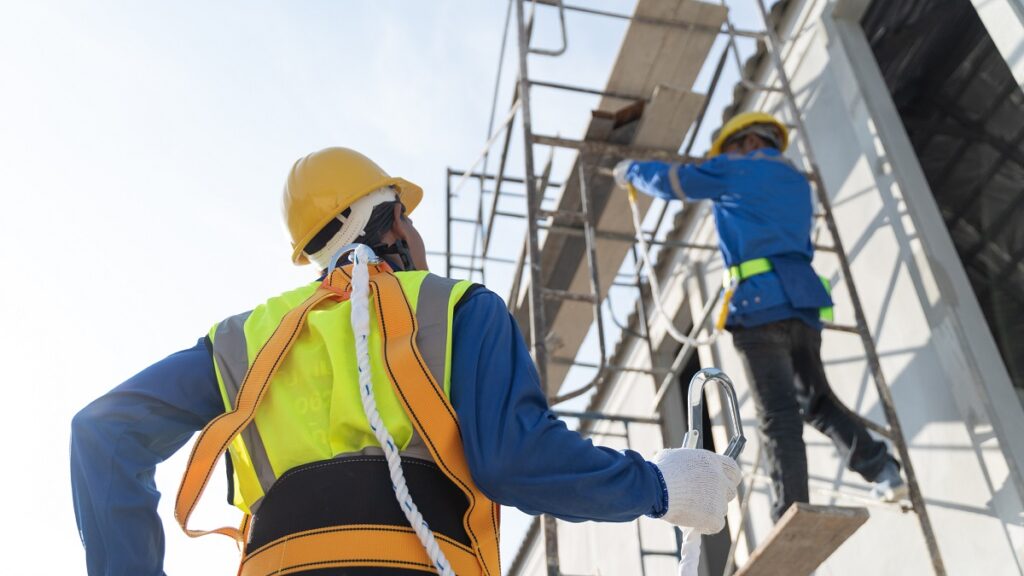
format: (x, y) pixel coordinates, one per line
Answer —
(744, 120)
(325, 183)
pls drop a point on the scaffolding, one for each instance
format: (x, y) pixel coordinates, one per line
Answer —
(532, 294)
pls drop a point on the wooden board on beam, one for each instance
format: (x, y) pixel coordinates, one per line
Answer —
(653, 55)
(802, 539)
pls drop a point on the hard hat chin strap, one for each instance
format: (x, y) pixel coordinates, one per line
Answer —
(343, 255)
(400, 247)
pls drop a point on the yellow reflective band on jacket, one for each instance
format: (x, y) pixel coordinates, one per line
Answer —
(750, 268)
(754, 267)
(313, 410)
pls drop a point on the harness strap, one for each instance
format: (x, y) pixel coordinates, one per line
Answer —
(750, 268)
(433, 416)
(754, 267)
(826, 314)
(216, 436)
(377, 545)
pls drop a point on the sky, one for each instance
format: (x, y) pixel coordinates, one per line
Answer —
(143, 146)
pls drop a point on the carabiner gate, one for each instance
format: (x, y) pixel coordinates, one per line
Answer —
(695, 400)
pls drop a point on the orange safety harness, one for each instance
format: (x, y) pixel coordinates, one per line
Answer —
(427, 407)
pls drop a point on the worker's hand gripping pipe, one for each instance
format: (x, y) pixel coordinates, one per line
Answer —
(361, 257)
(689, 556)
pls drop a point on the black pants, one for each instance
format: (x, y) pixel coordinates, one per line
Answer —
(788, 384)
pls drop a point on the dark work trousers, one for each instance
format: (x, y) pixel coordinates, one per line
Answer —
(788, 384)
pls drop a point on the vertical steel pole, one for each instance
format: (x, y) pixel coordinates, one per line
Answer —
(595, 282)
(538, 325)
(882, 386)
(448, 227)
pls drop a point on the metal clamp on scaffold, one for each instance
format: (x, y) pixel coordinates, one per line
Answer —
(695, 422)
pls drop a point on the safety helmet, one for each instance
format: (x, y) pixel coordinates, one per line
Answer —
(325, 183)
(745, 120)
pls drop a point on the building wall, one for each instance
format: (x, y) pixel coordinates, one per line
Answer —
(964, 425)
(953, 398)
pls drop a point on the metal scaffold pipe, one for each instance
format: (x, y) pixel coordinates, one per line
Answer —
(538, 325)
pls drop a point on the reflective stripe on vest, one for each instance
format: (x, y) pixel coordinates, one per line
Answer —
(232, 359)
(434, 298)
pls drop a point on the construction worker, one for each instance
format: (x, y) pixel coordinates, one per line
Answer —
(763, 211)
(373, 419)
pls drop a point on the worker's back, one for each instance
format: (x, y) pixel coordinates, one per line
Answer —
(764, 209)
(310, 467)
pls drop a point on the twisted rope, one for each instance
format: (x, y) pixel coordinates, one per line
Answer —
(360, 299)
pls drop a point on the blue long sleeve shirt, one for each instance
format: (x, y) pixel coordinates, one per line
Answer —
(762, 209)
(518, 452)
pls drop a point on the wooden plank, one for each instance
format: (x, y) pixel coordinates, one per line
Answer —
(677, 67)
(667, 118)
(641, 48)
(803, 538)
(654, 55)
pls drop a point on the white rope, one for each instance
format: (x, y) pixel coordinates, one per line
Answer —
(652, 277)
(689, 553)
(361, 328)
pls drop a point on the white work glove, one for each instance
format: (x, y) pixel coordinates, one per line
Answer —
(620, 173)
(700, 485)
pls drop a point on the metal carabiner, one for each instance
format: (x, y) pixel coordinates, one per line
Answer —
(345, 250)
(695, 422)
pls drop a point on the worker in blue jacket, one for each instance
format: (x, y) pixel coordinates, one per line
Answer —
(454, 390)
(763, 212)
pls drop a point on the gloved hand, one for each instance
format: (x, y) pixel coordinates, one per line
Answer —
(620, 172)
(700, 485)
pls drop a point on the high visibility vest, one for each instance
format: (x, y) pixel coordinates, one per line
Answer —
(287, 373)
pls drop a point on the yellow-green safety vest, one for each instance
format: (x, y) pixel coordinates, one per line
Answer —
(313, 410)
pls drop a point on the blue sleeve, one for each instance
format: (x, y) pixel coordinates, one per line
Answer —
(116, 443)
(522, 455)
(704, 181)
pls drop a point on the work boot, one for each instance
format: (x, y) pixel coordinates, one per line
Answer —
(889, 485)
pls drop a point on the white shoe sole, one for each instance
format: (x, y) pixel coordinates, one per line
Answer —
(891, 495)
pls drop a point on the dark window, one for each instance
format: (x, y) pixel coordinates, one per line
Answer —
(965, 116)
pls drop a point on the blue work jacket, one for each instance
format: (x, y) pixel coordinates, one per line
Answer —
(519, 453)
(762, 208)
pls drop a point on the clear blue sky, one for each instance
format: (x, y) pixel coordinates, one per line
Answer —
(142, 151)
